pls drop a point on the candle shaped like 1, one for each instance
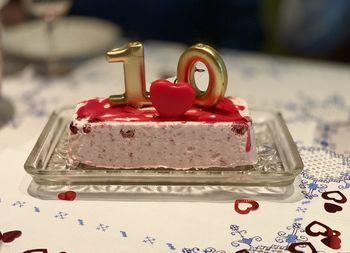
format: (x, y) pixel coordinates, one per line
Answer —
(132, 57)
(216, 69)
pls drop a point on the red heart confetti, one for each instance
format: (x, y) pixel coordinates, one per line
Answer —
(68, 195)
(327, 196)
(171, 100)
(293, 246)
(36, 251)
(253, 205)
(310, 232)
(332, 208)
(10, 236)
(332, 241)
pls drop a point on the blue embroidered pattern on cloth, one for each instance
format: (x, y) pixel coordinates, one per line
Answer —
(313, 182)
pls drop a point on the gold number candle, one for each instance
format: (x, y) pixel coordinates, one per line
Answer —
(132, 57)
(216, 70)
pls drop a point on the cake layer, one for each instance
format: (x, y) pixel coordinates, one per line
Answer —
(126, 137)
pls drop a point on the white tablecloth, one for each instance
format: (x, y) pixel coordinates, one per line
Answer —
(314, 99)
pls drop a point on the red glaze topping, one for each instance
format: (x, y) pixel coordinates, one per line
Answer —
(96, 110)
(100, 110)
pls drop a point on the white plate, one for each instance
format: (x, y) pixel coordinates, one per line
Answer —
(74, 37)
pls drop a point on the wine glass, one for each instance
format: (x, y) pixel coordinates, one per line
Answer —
(6, 106)
(49, 11)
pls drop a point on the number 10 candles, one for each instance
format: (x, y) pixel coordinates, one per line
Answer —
(136, 95)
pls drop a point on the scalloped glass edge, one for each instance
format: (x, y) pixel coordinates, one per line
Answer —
(278, 164)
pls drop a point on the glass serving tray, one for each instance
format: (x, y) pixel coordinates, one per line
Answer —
(278, 165)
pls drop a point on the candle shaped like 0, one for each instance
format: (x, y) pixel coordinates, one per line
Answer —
(134, 74)
(216, 69)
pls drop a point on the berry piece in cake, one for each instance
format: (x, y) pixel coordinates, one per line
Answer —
(127, 133)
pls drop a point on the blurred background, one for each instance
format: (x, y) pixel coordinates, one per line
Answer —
(313, 29)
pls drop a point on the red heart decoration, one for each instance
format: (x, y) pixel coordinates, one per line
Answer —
(171, 100)
(332, 208)
(10, 236)
(68, 195)
(292, 247)
(327, 195)
(253, 206)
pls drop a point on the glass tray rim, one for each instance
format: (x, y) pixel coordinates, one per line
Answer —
(154, 176)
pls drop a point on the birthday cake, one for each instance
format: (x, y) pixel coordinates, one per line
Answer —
(171, 132)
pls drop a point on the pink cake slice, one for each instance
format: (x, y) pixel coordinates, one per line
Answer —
(124, 137)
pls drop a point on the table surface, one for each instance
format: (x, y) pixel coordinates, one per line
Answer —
(314, 99)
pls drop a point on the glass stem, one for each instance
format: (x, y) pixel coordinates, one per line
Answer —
(52, 59)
